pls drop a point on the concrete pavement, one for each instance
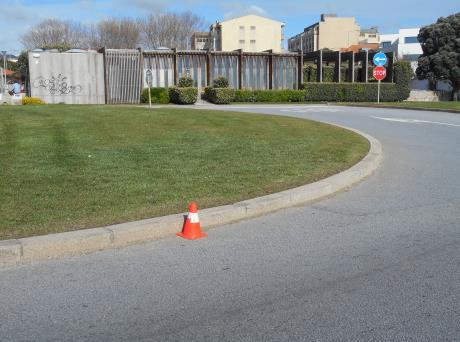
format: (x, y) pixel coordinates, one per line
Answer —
(379, 262)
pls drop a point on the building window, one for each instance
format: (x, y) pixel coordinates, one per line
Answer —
(410, 40)
(386, 45)
(241, 41)
(253, 28)
(241, 28)
(373, 36)
(253, 41)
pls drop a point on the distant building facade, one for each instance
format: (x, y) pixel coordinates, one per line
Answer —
(369, 36)
(404, 44)
(250, 33)
(200, 41)
(359, 47)
(334, 33)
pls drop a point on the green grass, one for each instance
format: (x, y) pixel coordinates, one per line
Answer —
(69, 167)
(444, 105)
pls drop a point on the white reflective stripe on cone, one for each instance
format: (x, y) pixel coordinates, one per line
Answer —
(193, 217)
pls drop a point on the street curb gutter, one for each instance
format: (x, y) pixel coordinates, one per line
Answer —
(439, 110)
(31, 249)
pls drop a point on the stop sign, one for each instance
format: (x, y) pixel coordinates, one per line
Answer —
(379, 73)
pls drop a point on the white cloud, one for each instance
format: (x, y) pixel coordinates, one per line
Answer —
(236, 9)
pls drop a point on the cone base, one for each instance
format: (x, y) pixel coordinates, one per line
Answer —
(195, 237)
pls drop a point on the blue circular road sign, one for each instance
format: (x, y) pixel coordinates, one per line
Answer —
(380, 59)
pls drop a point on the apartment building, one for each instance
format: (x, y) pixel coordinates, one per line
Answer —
(369, 36)
(334, 33)
(251, 33)
(404, 44)
(200, 41)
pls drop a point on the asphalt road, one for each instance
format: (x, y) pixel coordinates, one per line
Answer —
(379, 262)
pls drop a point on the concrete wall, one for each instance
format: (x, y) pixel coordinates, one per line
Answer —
(252, 33)
(73, 78)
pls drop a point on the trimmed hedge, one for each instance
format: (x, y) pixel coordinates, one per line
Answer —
(281, 95)
(328, 92)
(180, 95)
(352, 92)
(219, 95)
(159, 95)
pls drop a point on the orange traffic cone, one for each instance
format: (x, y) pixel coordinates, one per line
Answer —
(192, 227)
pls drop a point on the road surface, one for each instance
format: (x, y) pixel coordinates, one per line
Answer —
(379, 262)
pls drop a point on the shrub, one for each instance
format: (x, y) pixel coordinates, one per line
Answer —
(219, 95)
(244, 95)
(32, 101)
(310, 73)
(352, 92)
(185, 82)
(281, 95)
(158, 95)
(220, 82)
(403, 74)
(183, 95)
(328, 92)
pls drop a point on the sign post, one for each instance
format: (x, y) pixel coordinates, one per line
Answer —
(379, 72)
(149, 79)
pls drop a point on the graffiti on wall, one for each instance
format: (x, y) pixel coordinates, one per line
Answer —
(57, 85)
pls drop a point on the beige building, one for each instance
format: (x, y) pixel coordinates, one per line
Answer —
(251, 33)
(200, 41)
(369, 36)
(334, 33)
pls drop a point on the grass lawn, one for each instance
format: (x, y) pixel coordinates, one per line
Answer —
(445, 105)
(67, 167)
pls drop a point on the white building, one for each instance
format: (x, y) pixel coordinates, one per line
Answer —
(404, 44)
(406, 47)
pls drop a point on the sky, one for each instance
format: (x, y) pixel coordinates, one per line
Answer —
(17, 16)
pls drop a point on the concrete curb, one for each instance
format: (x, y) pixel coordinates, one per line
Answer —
(439, 110)
(31, 249)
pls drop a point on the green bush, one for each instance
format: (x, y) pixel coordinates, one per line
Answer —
(352, 92)
(219, 95)
(183, 95)
(244, 95)
(220, 82)
(158, 95)
(403, 74)
(310, 73)
(281, 95)
(185, 82)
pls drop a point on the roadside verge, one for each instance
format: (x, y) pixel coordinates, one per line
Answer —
(28, 250)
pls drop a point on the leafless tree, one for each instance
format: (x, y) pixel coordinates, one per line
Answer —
(57, 34)
(163, 29)
(115, 34)
(170, 29)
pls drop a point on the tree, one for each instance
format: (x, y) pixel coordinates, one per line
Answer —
(170, 29)
(22, 66)
(441, 52)
(55, 34)
(115, 34)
